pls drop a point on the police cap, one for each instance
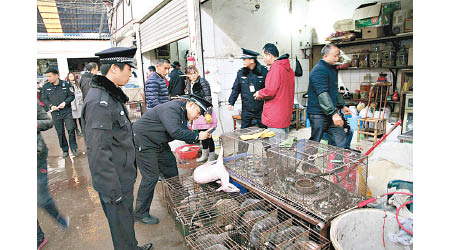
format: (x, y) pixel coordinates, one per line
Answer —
(201, 102)
(117, 55)
(175, 64)
(249, 54)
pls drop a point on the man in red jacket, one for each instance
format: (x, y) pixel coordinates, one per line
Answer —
(278, 94)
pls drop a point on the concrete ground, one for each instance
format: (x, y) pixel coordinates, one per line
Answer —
(71, 187)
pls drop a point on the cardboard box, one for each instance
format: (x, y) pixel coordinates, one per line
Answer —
(372, 32)
(398, 21)
(374, 14)
(344, 25)
(410, 56)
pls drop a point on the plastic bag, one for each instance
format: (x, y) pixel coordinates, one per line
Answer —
(365, 113)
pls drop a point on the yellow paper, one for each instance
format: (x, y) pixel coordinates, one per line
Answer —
(266, 133)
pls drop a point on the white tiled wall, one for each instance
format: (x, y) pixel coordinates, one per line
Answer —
(301, 83)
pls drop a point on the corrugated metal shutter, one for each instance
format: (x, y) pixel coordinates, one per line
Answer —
(167, 25)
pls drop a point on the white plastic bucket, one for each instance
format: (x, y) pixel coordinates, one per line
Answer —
(362, 229)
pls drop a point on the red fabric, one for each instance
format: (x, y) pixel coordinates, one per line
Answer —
(167, 82)
(278, 95)
(39, 98)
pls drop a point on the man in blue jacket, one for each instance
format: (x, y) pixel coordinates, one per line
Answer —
(156, 91)
(324, 100)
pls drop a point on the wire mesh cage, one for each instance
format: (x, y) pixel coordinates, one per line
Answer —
(195, 206)
(326, 180)
(135, 110)
(318, 179)
(256, 223)
(263, 225)
(211, 238)
(248, 157)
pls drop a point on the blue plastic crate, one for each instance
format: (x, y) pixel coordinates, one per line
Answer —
(242, 189)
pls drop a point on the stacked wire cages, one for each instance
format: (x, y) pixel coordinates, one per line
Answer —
(317, 179)
(195, 206)
(255, 223)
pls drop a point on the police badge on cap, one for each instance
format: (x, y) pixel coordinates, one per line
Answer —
(117, 55)
(249, 54)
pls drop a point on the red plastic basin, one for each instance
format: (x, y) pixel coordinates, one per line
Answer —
(191, 153)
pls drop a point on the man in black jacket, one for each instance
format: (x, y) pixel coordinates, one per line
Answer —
(152, 134)
(176, 81)
(110, 147)
(324, 99)
(85, 81)
(249, 79)
(57, 96)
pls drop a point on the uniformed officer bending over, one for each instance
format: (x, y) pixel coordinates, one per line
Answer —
(249, 79)
(56, 95)
(152, 134)
(110, 146)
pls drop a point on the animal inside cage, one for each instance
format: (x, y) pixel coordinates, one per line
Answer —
(211, 238)
(258, 224)
(318, 179)
(196, 206)
(263, 225)
(246, 156)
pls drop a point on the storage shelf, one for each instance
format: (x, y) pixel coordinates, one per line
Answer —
(362, 100)
(401, 36)
(394, 67)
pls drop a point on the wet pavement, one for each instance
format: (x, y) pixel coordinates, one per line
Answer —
(70, 185)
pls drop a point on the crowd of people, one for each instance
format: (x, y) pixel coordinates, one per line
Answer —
(179, 107)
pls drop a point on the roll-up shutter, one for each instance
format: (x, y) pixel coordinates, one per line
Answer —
(167, 25)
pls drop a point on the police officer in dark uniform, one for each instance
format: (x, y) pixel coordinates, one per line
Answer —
(249, 79)
(110, 147)
(152, 134)
(57, 96)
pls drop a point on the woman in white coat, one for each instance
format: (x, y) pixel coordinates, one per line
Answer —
(77, 103)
